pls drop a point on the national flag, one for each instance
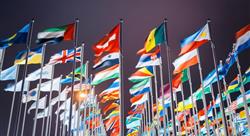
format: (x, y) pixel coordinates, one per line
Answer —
(195, 40)
(113, 87)
(109, 73)
(180, 78)
(9, 73)
(141, 74)
(41, 104)
(212, 77)
(11, 87)
(112, 114)
(53, 85)
(140, 88)
(65, 56)
(155, 37)
(109, 43)
(61, 97)
(133, 122)
(80, 71)
(185, 61)
(43, 113)
(198, 94)
(107, 61)
(243, 39)
(30, 96)
(111, 96)
(46, 73)
(109, 107)
(150, 59)
(240, 101)
(231, 59)
(185, 105)
(20, 37)
(139, 99)
(64, 106)
(34, 56)
(56, 34)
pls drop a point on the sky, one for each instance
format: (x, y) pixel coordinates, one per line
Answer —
(140, 16)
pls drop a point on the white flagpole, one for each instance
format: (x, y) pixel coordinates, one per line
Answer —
(64, 119)
(60, 129)
(184, 105)
(42, 130)
(47, 133)
(148, 114)
(215, 111)
(192, 99)
(1, 60)
(58, 105)
(151, 102)
(13, 100)
(177, 112)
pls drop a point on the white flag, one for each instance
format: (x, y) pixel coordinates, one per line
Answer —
(46, 74)
(11, 87)
(64, 106)
(41, 104)
(43, 113)
(46, 86)
(61, 97)
(30, 96)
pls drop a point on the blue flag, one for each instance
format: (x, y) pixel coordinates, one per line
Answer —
(18, 38)
(9, 73)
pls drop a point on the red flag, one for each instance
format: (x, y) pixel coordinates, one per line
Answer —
(110, 107)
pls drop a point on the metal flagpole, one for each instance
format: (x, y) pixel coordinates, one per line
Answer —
(84, 117)
(24, 117)
(156, 99)
(1, 59)
(151, 101)
(60, 129)
(64, 118)
(163, 99)
(28, 44)
(170, 76)
(185, 115)
(121, 92)
(58, 105)
(177, 112)
(218, 85)
(49, 106)
(148, 113)
(203, 95)
(39, 89)
(215, 111)
(73, 75)
(243, 92)
(13, 101)
(42, 130)
(192, 99)
(198, 122)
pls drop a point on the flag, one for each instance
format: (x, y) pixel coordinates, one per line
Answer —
(55, 85)
(185, 61)
(180, 78)
(65, 56)
(150, 59)
(212, 77)
(109, 73)
(243, 39)
(109, 43)
(140, 88)
(61, 97)
(43, 113)
(30, 96)
(113, 87)
(185, 105)
(64, 106)
(195, 40)
(9, 73)
(198, 94)
(231, 59)
(11, 87)
(56, 34)
(107, 61)
(20, 37)
(155, 37)
(46, 73)
(41, 104)
(80, 71)
(139, 99)
(110, 107)
(34, 56)
(141, 74)
(112, 114)
(111, 96)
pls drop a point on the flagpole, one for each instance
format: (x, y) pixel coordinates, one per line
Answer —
(58, 105)
(152, 101)
(192, 99)
(215, 111)
(148, 111)
(163, 98)
(2, 59)
(156, 99)
(13, 101)
(42, 130)
(243, 92)
(170, 76)
(203, 94)
(60, 129)
(177, 112)
(73, 77)
(219, 85)
(49, 106)
(64, 118)
(185, 115)
(28, 44)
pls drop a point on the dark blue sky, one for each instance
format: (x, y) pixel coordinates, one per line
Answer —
(140, 16)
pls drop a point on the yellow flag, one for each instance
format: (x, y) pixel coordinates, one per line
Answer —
(150, 42)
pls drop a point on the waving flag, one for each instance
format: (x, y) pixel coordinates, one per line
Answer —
(113, 114)
(65, 56)
(141, 74)
(211, 77)
(113, 87)
(9, 73)
(139, 99)
(155, 37)
(185, 61)
(11, 87)
(56, 34)
(55, 86)
(140, 88)
(46, 73)
(30, 96)
(18, 38)
(41, 104)
(109, 73)
(110, 107)
(34, 56)
(109, 43)
(184, 105)
(149, 59)
(180, 78)
(195, 40)
(243, 39)
(198, 94)
(61, 97)
(108, 60)
(111, 96)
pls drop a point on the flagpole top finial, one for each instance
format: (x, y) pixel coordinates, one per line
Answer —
(208, 20)
(121, 20)
(165, 20)
(77, 20)
(33, 20)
